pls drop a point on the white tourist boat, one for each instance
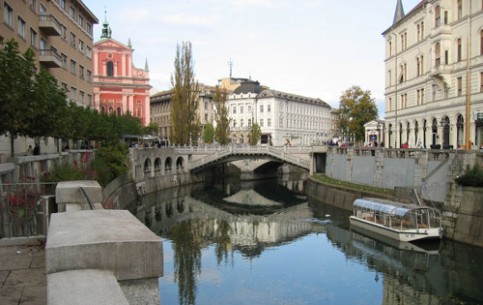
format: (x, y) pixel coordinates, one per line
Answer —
(396, 221)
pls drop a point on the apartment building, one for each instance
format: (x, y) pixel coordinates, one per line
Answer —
(60, 33)
(434, 75)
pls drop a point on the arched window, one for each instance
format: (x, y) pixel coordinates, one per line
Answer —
(437, 16)
(110, 68)
(437, 54)
(481, 41)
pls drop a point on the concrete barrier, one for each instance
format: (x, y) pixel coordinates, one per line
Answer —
(99, 256)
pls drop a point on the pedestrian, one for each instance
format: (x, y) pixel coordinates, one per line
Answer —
(30, 150)
(37, 149)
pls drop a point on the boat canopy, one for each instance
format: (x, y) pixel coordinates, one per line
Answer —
(384, 207)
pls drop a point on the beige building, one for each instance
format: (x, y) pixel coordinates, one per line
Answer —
(60, 33)
(160, 108)
(434, 75)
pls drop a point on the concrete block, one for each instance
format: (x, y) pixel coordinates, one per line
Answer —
(84, 287)
(113, 240)
(68, 192)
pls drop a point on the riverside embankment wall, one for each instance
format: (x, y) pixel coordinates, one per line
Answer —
(431, 173)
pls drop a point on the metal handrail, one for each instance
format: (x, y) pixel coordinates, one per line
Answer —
(91, 205)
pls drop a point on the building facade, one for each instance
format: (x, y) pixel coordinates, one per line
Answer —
(60, 33)
(284, 118)
(160, 104)
(119, 86)
(434, 75)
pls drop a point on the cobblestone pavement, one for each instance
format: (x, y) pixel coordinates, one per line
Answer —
(22, 275)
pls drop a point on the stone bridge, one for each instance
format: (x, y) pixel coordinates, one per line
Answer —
(152, 162)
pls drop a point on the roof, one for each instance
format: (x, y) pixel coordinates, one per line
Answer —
(399, 15)
(248, 87)
(266, 93)
(387, 206)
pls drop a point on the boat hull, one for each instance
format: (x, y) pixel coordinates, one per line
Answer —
(399, 235)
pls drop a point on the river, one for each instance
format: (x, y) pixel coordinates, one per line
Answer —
(266, 243)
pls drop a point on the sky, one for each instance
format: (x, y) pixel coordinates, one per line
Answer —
(313, 48)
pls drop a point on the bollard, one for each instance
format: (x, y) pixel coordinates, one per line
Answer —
(45, 207)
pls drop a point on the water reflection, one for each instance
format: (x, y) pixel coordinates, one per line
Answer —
(221, 227)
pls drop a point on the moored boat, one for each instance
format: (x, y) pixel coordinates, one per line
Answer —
(394, 220)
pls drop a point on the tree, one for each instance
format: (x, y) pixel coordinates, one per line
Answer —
(209, 133)
(222, 131)
(255, 133)
(185, 126)
(356, 108)
(16, 90)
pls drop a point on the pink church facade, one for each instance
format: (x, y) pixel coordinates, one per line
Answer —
(119, 86)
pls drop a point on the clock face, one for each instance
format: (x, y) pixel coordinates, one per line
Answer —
(140, 73)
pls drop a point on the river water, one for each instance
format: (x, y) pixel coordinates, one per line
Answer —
(266, 243)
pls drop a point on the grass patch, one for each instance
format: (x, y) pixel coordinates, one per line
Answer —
(358, 187)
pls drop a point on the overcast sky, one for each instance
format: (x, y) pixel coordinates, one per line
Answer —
(314, 48)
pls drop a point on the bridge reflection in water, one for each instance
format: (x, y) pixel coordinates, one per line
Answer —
(263, 244)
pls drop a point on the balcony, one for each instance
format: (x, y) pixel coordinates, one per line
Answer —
(50, 58)
(49, 25)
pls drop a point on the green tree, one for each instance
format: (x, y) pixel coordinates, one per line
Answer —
(209, 133)
(185, 127)
(255, 133)
(356, 108)
(16, 90)
(222, 131)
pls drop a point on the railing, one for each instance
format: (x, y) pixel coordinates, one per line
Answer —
(21, 210)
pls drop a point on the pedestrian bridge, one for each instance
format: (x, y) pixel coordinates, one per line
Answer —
(153, 161)
(202, 157)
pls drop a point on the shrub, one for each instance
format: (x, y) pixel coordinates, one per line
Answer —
(64, 172)
(472, 177)
(110, 163)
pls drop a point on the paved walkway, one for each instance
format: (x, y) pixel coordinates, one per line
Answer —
(22, 275)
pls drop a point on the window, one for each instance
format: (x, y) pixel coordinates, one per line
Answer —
(110, 68)
(7, 14)
(261, 122)
(459, 86)
(269, 108)
(437, 55)
(89, 76)
(269, 122)
(62, 4)
(250, 107)
(21, 27)
(234, 123)
(89, 28)
(73, 93)
(33, 38)
(242, 122)
(73, 66)
(81, 21)
(241, 109)
(33, 5)
(458, 49)
(63, 33)
(72, 40)
(89, 52)
(481, 42)
(261, 108)
(81, 97)
(43, 10)
(250, 120)
(81, 46)
(72, 12)
(64, 61)
(234, 109)
(437, 16)
(81, 71)
(89, 100)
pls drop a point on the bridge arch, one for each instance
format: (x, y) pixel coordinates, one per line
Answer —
(180, 163)
(147, 167)
(168, 165)
(157, 166)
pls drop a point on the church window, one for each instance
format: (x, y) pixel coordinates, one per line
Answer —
(437, 16)
(110, 68)
(458, 49)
